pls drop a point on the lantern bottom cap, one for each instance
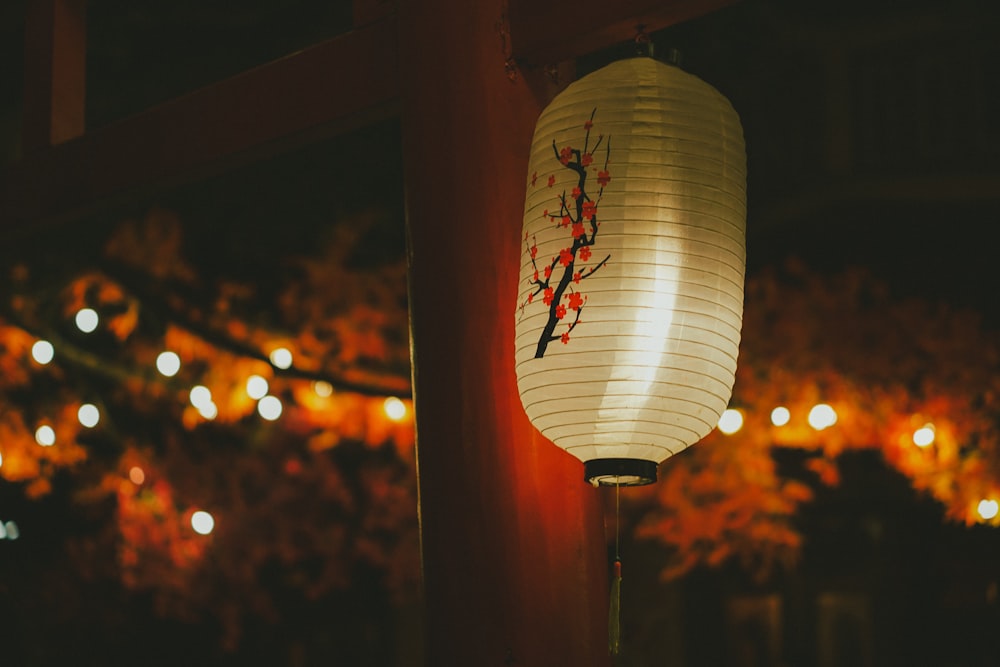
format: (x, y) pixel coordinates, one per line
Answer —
(619, 472)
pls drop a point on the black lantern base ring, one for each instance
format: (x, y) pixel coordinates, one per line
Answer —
(619, 472)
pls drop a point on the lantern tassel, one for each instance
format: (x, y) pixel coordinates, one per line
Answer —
(614, 613)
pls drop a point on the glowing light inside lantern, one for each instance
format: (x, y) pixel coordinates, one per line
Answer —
(780, 416)
(269, 407)
(281, 358)
(822, 416)
(924, 436)
(257, 387)
(136, 475)
(168, 363)
(45, 436)
(323, 388)
(988, 508)
(731, 421)
(88, 415)
(42, 352)
(394, 408)
(202, 522)
(86, 319)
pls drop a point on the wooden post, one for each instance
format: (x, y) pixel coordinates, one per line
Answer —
(514, 559)
(55, 70)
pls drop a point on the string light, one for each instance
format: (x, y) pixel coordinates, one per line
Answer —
(136, 475)
(281, 358)
(988, 508)
(202, 522)
(394, 408)
(86, 320)
(168, 363)
(42, 352)
(269, 408)
(257, 387)
(322, 388)
(88, 415)
(780, 416)
(924, 436)
(822, 416)
(45, 436)
(731, 421)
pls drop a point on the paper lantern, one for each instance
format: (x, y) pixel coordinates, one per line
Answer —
(631, 283)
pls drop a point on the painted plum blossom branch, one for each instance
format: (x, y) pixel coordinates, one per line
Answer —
(577, 214)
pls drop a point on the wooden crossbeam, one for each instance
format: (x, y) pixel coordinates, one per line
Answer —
(335, 86)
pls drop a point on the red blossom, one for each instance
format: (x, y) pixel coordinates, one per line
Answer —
(545, 213)
(575, 300)
(576, 193)
(566, 220)
(552, 180)
(547, 296)
(534, 251)
(548, 272)
(564, 338)
(578, 230)
(589, 209)
(586, 159)
(589, 124)
(565, 257)
(535, 278)
(577, 277)
(585, 253)
(560, 311)
(603, 177)
(565, 154)
(531, 297)
(534, 178)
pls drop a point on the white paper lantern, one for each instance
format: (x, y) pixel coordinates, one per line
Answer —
(631, 285)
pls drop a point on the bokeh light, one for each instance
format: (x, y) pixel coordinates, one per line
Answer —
(257, 387)
(394, 408)
(168, 363)
(988, 508)
(89, 415)
(136, 475)
(1, 460)
(822, 416)
(208, 410)
(86, 319)
(45, 436)
(200, 396)
(269, 407)
(731, 421)
(11, 531)
(42, 352)
(780, 416)
(281, 358)
(323, 388)
(202, 522)
(924, 436)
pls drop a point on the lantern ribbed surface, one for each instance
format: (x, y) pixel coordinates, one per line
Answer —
(633, 255)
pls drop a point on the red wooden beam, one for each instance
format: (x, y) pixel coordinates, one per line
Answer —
(514, 560)
(550, 32)
(335, 86)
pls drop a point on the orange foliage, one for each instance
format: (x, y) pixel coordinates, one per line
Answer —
(886, 367)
